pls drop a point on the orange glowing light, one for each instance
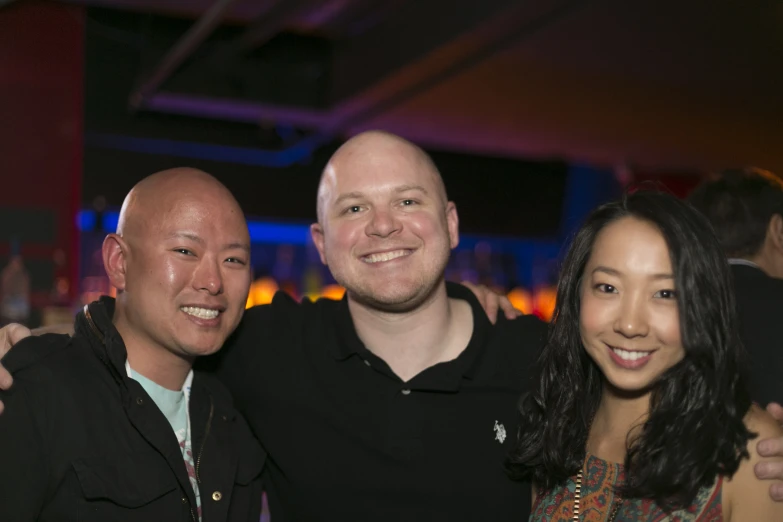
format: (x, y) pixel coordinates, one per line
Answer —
(521, 300)
(545, 303)
(334, 292)
(261, 292)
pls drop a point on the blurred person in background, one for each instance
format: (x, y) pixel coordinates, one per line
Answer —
(745, 207)
(14, 289)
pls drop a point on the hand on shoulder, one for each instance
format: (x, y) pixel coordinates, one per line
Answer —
(745, 497)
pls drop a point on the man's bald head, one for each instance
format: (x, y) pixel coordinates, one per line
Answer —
(180, 262)
(385, 226)
(154, 196)
(374, 150)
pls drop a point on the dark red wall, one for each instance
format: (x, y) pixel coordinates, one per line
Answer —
(41, 117)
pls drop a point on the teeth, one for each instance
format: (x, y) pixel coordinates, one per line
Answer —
(201, 313)
(629, 356)
(386, 256)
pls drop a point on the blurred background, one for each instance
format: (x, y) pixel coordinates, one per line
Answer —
(535, 112)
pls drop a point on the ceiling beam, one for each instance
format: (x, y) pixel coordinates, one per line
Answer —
(426, 59)
(180, 52)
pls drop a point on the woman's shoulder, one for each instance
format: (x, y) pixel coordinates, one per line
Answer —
(759, 421)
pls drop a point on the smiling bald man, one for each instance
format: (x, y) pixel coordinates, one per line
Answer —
(112, 423)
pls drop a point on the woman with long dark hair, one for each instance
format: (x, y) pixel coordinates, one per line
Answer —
(640, 410)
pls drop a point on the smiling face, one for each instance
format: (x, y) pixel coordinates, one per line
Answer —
(385, 228)
(629, 318)
(185, 266)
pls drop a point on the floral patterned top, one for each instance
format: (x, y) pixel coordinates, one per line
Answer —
(598, 500)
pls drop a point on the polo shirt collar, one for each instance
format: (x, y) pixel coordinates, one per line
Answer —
(445, 376)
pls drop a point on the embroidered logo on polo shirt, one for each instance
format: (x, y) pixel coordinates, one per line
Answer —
(500, 432)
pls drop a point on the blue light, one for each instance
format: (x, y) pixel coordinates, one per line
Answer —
(278, 233)
(260, 232)
(85, 220)
(110, 220)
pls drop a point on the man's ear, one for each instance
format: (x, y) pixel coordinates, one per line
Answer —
(775, 232)
(317, 234)
(115, 260)
(452, 222)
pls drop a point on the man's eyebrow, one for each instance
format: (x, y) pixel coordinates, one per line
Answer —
(232, 246)
(348, 195)
(197, 239)
(185, 235)
(406, 188)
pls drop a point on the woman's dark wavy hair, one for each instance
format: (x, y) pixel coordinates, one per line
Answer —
(695, 428)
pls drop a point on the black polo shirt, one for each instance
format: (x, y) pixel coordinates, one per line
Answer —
(349, 441)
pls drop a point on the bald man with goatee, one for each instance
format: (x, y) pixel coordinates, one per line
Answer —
(113, 423)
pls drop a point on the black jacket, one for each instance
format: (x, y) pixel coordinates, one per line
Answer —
(760, 310)
(79, 440)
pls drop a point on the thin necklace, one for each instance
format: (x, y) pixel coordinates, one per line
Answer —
(578, 498)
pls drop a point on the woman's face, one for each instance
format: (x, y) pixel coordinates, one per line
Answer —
(629, 321)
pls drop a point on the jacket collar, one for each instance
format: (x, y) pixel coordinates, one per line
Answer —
(94, 323)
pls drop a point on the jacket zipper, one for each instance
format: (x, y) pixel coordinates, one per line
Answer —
(206, 434)
(201, 450)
